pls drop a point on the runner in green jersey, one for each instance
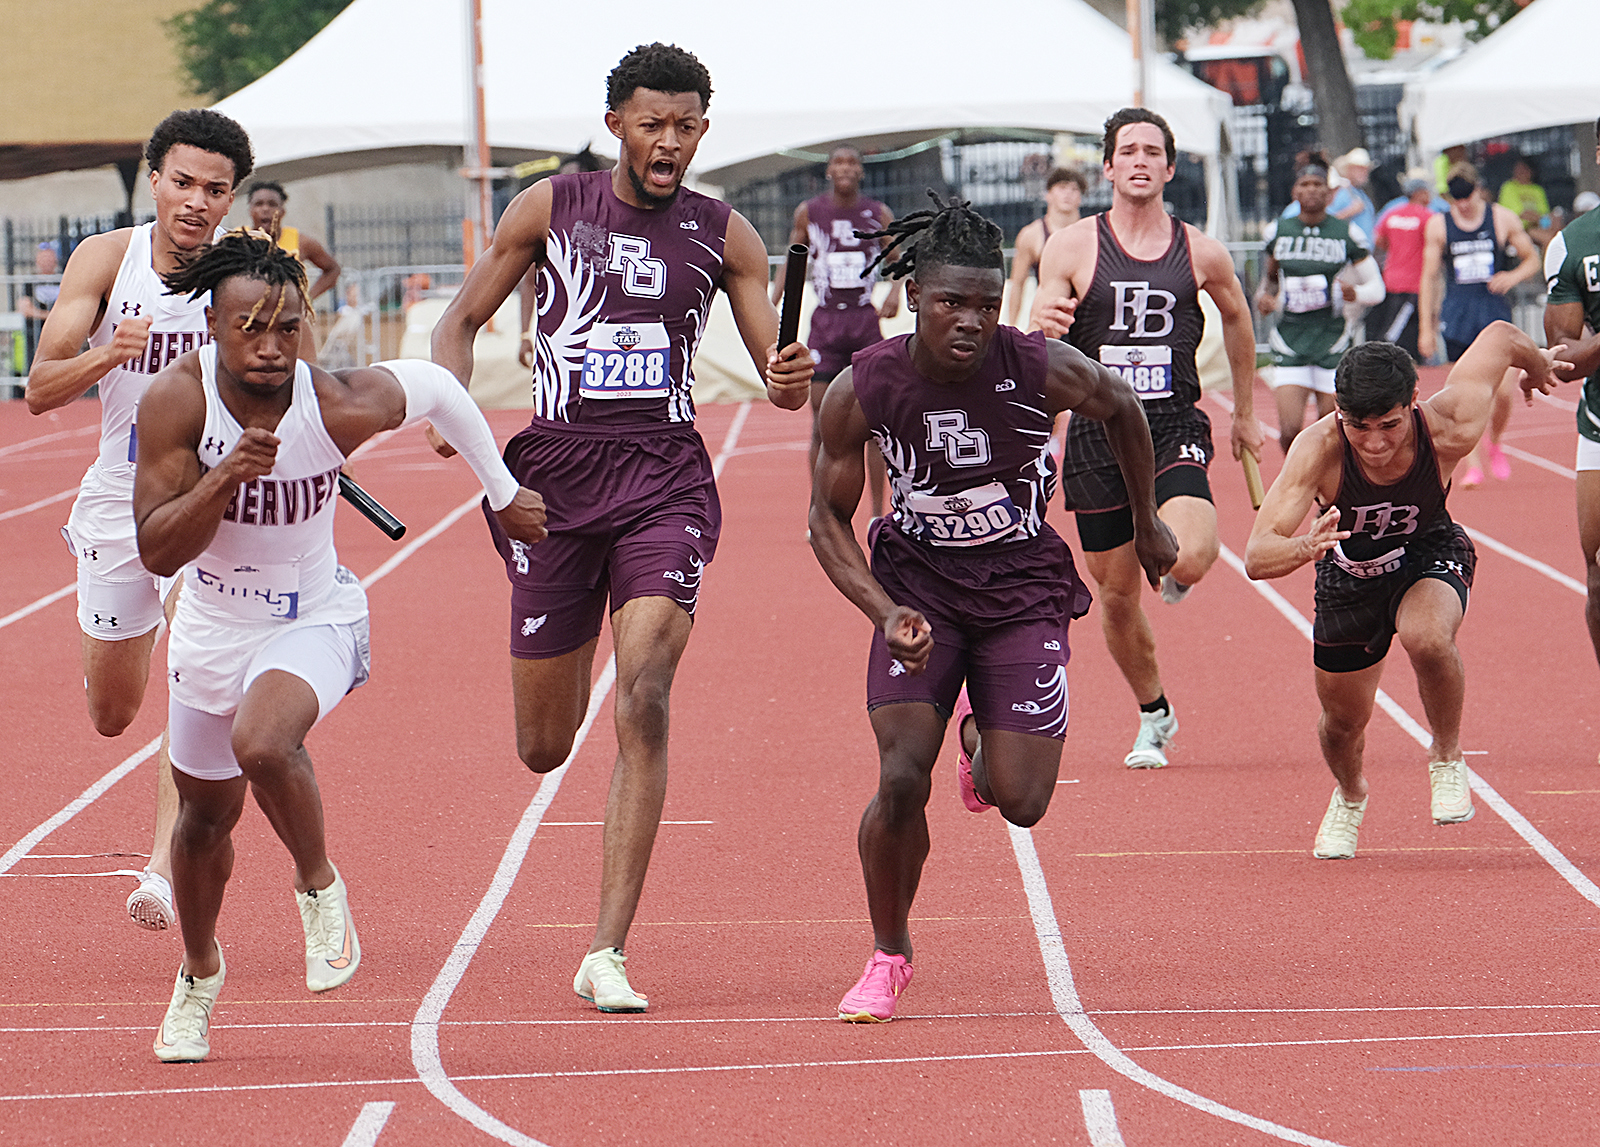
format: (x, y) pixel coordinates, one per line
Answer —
(1315, 265)
(1571, 316)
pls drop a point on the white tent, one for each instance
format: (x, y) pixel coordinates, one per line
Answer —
(383, 83)
(1536, 71)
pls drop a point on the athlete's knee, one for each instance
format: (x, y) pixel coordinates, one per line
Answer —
(1339, 729)
(264, 756)
(1429, 647)
(1024, 810)
(644, 707)
(111, 715)
(201, 825)
(904, 786)
(542, 750)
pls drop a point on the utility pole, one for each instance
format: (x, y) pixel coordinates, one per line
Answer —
(478, 225)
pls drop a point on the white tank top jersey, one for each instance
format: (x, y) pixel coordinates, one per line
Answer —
(272, 559)
(178, 325)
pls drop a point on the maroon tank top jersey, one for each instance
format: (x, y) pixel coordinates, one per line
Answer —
(1383, 520)
(839, 259)
(1143, 319)
(622, 300)
(969, 462)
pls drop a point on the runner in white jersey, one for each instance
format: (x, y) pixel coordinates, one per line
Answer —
(239, 459)
(112, 298)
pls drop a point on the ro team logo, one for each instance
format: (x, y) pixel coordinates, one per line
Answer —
(1142, 312)
(642, 276)
(1385, 520)
(948, 431)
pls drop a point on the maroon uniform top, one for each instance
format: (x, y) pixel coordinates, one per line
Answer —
(838, 259)
(1143, 319)
(969, 463)
(1383, 520)
(622, 301)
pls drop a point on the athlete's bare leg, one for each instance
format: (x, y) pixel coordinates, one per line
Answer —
(269, 734)
(202, 862)
(1119, 583)
(1342, 729)
(1291, 403)
(166, 790)
(877, 468)
(1426, 624)
(115, 674)
(551, 696)
(1589, 539)
(650, 634)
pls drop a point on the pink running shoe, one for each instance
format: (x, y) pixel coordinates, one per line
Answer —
(969, 791)
(873, 998)
(1499, 464)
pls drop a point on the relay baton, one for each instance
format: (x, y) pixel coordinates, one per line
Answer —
(794, 285)
(1252, 478)
(371, 509)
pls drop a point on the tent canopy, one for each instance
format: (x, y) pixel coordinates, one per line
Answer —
(1536, 71)
(385, 78)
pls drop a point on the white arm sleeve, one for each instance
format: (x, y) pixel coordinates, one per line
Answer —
(433, 395)
(1367, 280)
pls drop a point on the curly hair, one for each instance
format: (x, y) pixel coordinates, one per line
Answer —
(241, 252)
(950, 234)
(207, 130)
(660, 68)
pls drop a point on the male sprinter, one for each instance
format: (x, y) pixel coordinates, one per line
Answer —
(238, 476)
(845, 319)
(630, 263)
(113, 299)
(1572, 316)
(1063, 195)
(1123, 288)
(1390, 562)
(967, 581)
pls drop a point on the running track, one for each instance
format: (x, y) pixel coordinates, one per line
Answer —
(1159, 963)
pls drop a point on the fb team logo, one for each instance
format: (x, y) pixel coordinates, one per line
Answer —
(627, 338)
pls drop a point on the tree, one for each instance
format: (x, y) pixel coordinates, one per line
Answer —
(1331, 89)
(226, 44)
(1177, 18)
(1374, 22)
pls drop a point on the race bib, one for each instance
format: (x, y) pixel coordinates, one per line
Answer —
(1148, 369)
(846, 270)
(1304, 293)
(252, 593)
(1373, 567)
(970, 518)
(1474, 266)
(626, 360)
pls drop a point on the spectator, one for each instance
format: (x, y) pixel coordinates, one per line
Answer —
(1398, 243)
(39, 297)
(1527, 200)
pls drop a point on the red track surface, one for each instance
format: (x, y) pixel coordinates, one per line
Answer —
(1436, 990)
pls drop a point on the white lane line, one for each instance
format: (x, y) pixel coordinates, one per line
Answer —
(369, 1124)
(1539, 461)
(29, 443)
(1519, 823)
(1100, 1118)
(39, 505)
(35, 607)
(425, 1053)
(1064, 994)
(89, 795)
(1535, 564)
(420, 540)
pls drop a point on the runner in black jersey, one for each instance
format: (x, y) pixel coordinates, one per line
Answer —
(1123, 288)
(967, 581)
(1389, 559)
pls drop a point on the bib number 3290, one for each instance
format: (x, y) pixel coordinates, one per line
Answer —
(626, 360)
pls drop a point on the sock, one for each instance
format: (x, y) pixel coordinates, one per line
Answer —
(1159, 705)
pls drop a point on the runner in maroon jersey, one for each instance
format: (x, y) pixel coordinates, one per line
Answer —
(629, 263)
(1123, 287)
(845, 319)
(967, 581)
(1390, 562)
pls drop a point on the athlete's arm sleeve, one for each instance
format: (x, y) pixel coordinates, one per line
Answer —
(433, 395)
(1367, 280)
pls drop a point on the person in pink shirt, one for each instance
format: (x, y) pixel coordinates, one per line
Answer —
(1397, 242)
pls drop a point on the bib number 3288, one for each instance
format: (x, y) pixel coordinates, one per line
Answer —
(626, 360)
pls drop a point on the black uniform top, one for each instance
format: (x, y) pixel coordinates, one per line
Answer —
(1383, 519)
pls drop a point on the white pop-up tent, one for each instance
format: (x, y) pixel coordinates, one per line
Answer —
(1536, 71)
(384, 82)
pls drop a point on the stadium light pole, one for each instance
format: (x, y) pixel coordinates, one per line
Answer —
(1142, 31)
(476, 231)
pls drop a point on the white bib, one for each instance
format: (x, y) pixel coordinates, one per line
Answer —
(251, 592)
(1304, 293)
(970, 518)
(1474, 266)
(1148, 369)
(627, 360)
(845, 269)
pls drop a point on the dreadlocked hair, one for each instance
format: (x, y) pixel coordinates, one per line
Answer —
(950, 234)
(242, 251)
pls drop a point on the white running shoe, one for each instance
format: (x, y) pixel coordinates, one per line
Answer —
(333, 952)
(1336, 839)
(150, 904)
(602, 982)
(1156, 731)
(1452, 794)
(181, 1038)
(1172, 590)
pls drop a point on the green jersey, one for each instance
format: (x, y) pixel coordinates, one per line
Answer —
(1311, 329)
(1572, 271)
